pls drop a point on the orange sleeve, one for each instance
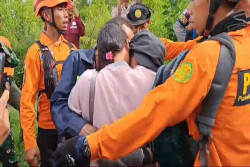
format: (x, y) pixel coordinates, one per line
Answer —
(175, 48)
(75, 48)
(29, 96)
(164, 106)
(6, 42)
(9, 71)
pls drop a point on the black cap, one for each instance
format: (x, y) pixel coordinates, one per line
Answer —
(148, 50)
(138, 14)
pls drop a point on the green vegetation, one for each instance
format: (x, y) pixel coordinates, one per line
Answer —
(22, 28)
(19, 146)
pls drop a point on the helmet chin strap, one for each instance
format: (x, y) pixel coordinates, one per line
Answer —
(214, 5)
(53, 23)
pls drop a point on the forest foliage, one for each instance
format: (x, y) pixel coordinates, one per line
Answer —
(22, 28)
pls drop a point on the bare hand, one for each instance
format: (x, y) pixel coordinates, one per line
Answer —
(33, 157)
(73, 8)
(87, 130)
(7, 86)
(120, 4)
(5, 125)
(4, 117)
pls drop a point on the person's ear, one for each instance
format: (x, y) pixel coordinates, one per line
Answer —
(146, 25)
(149, 22)
(46, 15)
(127, 45)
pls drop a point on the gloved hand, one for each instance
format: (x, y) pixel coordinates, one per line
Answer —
(148, 156)
(74, 152)
(184, 18)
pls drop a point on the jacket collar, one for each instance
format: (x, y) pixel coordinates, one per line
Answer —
(46, 41)
(234, 22)
(86, 55)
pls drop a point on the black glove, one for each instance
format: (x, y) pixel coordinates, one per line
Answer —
(74, 152)
(148, 156)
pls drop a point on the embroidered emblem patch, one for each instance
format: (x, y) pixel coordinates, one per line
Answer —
(184, 73)
(138, 13)
(243, 94)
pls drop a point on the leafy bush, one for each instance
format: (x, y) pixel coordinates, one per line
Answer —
(22, 28)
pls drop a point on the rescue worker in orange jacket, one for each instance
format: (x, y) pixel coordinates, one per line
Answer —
(175, 48)
(15, 92)
(180, 98)
(55, 16)
(7, 153)
(8, 70)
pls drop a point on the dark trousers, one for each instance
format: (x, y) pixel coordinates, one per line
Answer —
(47, 143)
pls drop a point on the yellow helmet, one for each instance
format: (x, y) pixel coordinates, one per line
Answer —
(38, 4)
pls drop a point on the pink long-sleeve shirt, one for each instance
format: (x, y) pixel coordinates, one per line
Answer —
(119, 90)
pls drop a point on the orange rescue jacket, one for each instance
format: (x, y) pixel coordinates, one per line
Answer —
(180, 98)
(248, 29)
(8, 70)
(176, 48)
(33, 83)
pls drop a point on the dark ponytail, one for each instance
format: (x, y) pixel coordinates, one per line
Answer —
(111, 40)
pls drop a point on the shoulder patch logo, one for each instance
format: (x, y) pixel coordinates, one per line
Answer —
(138, 13)
(243, 93)
(184, 73)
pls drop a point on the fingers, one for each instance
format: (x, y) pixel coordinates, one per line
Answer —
(5, 125)
(59, 162)
(32, 162)
(57, 159)
(56, 155)
(33, 157)
(5, 97)
(87, 130)
(38, 157)
(6, 120)
(7, 85)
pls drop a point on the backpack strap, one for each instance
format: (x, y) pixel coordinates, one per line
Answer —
(211, 103)
(50, 72)
(92, 96)
(167, 70)
(71, 46)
